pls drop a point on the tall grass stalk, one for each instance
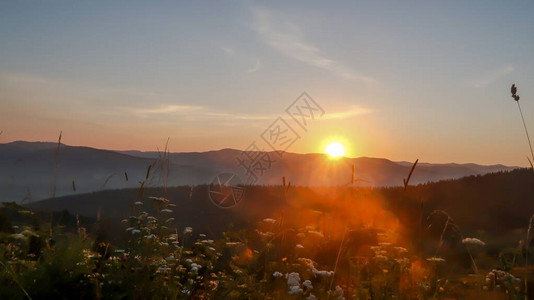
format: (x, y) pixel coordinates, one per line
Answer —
(407, 180)
(527, 244)
(526, 131)
(15, 279)
(337, 258)
(450, 224)
(56, 169)
(516, 97)
(165, 166)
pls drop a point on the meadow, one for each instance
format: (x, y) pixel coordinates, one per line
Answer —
(455, 239)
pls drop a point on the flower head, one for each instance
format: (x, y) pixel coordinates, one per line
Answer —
(473, 241)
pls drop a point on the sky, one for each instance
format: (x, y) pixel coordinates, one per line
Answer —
(396, 79)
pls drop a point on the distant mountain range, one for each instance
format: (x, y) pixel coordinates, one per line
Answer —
(31, 171)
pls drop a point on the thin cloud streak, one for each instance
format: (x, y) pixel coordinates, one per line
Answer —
(199, 112)
(353, 111)
(58, 93)
(493, 76)
(256, 67)
(168, 109)
(288, 39)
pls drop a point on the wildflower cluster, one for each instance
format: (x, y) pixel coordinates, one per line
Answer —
(498, 280)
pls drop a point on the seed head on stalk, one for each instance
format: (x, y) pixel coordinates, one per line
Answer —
(516, 97)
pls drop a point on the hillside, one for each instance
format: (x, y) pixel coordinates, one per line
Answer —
(32, 171)
(492, 202)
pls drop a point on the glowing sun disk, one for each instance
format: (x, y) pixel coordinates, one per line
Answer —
(335, 150)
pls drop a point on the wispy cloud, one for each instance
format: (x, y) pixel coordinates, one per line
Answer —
(288, 39)
(200, 113)
(493, 76)
(59, 99)
(256, 67)
(352, 111)
(228, 50)
(191, 112)
(167, 109)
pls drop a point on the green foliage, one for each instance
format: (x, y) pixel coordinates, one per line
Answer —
(299, 254)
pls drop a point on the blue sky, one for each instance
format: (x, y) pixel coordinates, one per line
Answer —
(401, 80)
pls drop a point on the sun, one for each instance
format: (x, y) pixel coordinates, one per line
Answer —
(335, 150)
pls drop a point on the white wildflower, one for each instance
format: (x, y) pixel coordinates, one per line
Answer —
(138, 203)
(307, 284)
(188, 230)
(381, 257)
(265, 234)
(299, 246)
(293, 279)
(403, 261)
(159, 199)
(230, 244)
(166, 210)
(435, 259)
(28, 232)
(314, 270)
(473, 241)
(323, 273)
(277, 274)
(400, 249)
(136, 231)
(269, 220)
(311, 297)
(186, 291)
(294, 289)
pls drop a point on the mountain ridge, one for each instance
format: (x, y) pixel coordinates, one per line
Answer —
(28, 170)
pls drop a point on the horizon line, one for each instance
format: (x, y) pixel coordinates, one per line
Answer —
(234, 149)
